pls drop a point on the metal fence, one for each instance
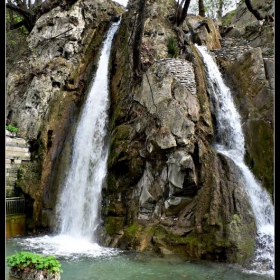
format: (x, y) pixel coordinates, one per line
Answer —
(15, 205)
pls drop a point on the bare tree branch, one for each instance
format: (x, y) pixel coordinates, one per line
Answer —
(201, 8)
(31, 13)
(255, 12)
(137, 64)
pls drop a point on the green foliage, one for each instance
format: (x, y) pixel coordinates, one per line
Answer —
(172, 47)
(25, 261)
(226, 20)
(11, 128)
(132, 229)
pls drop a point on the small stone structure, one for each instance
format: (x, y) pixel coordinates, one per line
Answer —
(182, 70)
(36, 275)
(17, 150)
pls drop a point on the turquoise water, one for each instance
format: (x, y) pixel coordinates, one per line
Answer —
(118, 265)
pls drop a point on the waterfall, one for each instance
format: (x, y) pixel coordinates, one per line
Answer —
(79, 202)
(78, 207)
(230, 142)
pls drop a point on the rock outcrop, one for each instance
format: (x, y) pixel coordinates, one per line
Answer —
(242, 24)
(167, 189)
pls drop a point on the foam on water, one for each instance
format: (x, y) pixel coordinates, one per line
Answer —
(65, 246)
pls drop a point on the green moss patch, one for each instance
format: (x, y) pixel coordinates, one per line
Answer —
(113, 225)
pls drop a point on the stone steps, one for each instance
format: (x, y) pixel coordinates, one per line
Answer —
(10, 182)
(15, 165)
(12, 170)
(16, 141)
(11, 176)
(17, 150)
(9, 191)
(19, 156)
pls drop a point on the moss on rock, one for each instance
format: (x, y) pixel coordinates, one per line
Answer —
(114, 225)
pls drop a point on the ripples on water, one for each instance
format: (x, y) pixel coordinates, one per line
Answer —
(82, 260)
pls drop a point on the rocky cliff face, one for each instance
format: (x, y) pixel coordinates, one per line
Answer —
(247, 61)
(46, 89)
(167, 190)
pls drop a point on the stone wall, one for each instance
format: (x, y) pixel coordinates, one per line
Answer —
(15, 225)
(17, 150)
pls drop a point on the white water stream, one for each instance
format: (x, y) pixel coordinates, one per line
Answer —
(78, 209)
(230, 142)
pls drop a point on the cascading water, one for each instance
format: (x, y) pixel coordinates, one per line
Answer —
(79, 203)
(78, 207)
(230, 142)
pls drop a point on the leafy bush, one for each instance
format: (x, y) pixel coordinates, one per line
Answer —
(27, 261)
(11, 128)
(172, 47)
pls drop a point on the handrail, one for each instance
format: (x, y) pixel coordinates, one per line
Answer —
(15, 205)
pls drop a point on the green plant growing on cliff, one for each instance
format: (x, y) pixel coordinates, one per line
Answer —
(27, 261)
(226, 20)
(11, 128)
(172, 47)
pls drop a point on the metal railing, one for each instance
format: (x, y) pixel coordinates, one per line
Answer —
(15, 205)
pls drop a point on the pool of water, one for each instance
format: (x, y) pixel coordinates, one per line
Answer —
(106, 264)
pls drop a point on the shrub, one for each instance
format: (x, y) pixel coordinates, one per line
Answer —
(172, 47)
(27, 261)
(11, 128)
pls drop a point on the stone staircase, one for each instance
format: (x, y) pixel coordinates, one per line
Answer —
(17, 150)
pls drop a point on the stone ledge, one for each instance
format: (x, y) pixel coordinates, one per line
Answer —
(11, 177)
(15, 165)
(10, 144)
(24, 156)
(17, 149)
(19, 141)
(11, 183)
(12, 169)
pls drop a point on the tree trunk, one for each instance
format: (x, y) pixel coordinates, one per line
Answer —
(220, 9)
(255, 12)
(183, 13)
(137, 64)
(201, 8)
(31, 15)
(11, 15)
